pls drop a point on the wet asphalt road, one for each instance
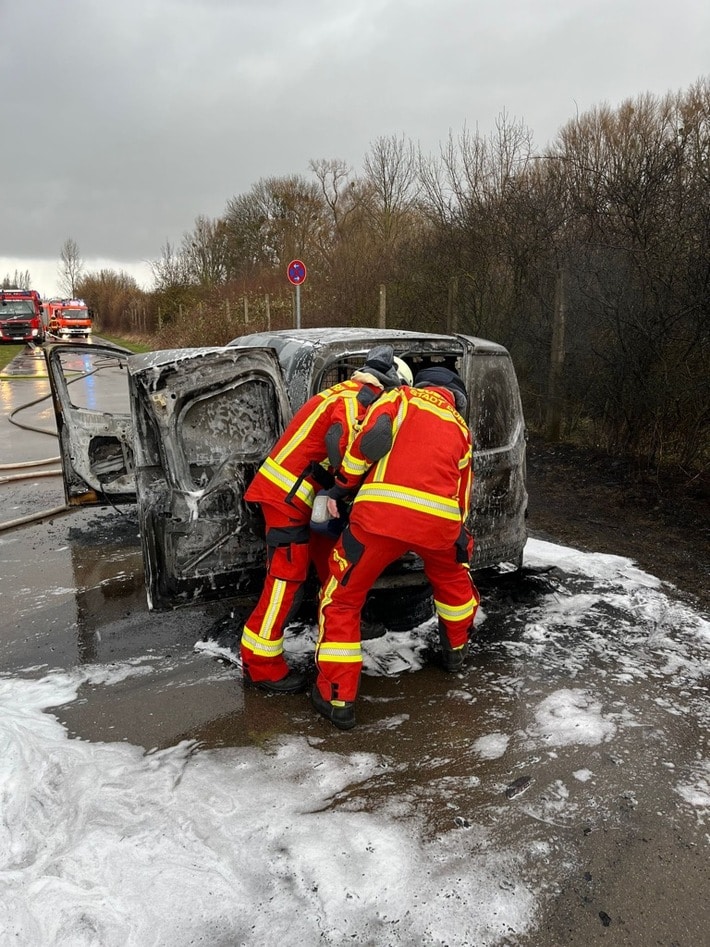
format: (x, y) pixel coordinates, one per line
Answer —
(613, 852)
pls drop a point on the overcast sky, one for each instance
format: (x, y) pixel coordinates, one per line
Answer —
(124, 121)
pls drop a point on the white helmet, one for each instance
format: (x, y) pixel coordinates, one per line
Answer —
(403, 370)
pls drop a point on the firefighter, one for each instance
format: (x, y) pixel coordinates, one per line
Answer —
(410, 464)
(300, 464)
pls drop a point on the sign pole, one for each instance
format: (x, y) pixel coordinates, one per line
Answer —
(296, 273)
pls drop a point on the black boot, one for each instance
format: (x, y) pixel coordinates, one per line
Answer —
(342, 714)
(452, 658)
(293, 683)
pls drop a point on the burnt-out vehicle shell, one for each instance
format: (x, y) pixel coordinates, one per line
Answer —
(313, 359)
(189, 430)
(202, 420)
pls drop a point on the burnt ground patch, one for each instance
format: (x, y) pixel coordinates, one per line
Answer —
(597, 503)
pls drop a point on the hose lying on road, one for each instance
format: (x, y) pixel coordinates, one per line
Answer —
(30, 463)
(36, 430)
(30, 475)
(35, 517)
(41, 514)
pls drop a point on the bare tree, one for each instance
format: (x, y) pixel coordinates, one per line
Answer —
(114, 297)
(391, 172)
(204, 252)
(339, 191)
(279, 219)
(19, 281)
(171, 270)
(71, 267)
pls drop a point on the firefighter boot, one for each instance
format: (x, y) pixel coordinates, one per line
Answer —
(293, 683)
(341, 713)
(452, 658)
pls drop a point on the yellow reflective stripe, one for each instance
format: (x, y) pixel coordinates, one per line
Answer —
(263, 646)
(351, 410)
(455, 612)
(448, 413)
(466, 484)
(285, 480)
(349, 394)
(352, 647)
(381, 467)
(411, 499)
(326, 596)
(304, 430)
(443, 413)
(278, 590)
(340, 652)
(353, 467)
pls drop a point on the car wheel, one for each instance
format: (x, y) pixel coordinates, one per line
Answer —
(399, 609)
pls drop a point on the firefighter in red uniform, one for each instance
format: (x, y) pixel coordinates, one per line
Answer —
(300, 464)
(411, 466)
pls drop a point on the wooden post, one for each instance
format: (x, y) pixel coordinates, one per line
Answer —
(246, 311)
(382, 319)
(553, 417)
(452, 305)
(268, 313)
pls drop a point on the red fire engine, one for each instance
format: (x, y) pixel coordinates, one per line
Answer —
(68, 318)
(21, 313)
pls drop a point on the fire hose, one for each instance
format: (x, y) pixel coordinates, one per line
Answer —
(26, 466)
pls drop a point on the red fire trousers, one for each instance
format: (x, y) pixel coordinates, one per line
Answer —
(291, 547)
(355, 563)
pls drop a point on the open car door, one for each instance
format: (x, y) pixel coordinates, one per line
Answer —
(91, 403)
(181, 432)
(204, 419)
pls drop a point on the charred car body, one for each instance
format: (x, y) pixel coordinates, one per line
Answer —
(196, 423)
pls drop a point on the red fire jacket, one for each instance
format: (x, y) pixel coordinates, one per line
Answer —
(319, 432)
(414, 452)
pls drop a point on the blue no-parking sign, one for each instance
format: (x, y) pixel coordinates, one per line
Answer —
(296, 272)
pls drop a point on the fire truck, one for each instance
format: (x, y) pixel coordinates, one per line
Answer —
(67, 318)
(21, 312)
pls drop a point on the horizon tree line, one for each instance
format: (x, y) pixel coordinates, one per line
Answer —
(589, 261)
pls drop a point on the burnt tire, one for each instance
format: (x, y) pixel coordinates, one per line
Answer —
(399, 609)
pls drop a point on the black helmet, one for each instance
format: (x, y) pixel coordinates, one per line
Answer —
(380, 363)
(437, 376)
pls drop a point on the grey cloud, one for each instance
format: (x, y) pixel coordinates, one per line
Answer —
(128, 120)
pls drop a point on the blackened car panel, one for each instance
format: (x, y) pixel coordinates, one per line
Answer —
(499, 495)
(204, 419)
(312, 359)
(91, 404)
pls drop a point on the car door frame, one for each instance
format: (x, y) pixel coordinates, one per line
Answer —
(83, 429)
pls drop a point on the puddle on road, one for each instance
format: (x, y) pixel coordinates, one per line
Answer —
(587, 690)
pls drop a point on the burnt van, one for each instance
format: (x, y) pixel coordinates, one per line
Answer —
(196, 423)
